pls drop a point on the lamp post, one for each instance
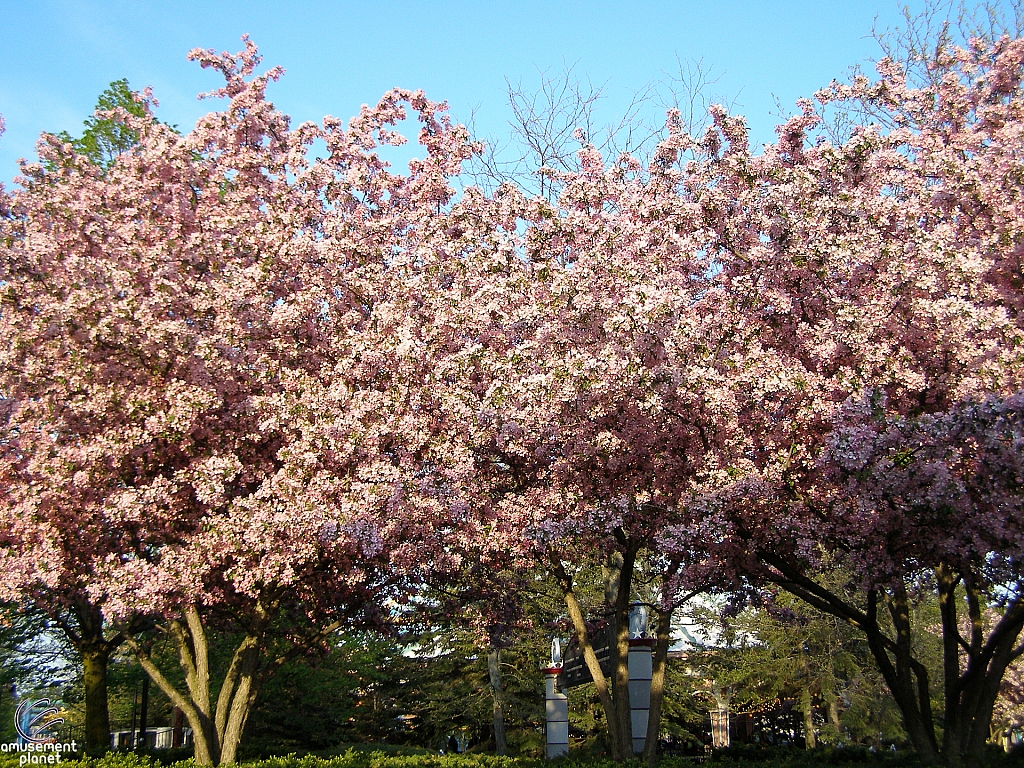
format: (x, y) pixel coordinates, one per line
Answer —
(556, 706)
(641, 646)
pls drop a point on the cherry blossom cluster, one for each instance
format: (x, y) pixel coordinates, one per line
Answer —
(234, 368)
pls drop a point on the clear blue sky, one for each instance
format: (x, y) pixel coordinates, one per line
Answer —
(56, 57)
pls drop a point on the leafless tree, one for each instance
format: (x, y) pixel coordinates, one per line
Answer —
(690, 88)
(921, 43)
(551, 121)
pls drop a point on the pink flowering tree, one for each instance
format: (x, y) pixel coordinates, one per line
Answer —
(599, 397)
(595, 372)
(210, 386)
(62, 456)
(887, 271)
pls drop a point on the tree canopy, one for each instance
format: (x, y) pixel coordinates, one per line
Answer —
(253, 389)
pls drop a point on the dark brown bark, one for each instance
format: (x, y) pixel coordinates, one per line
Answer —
(620, 658)
(97, 719)
(84, 628)
(498, 697)
(906, 677)
(971, 691)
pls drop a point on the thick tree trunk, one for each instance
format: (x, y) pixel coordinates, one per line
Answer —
(193, 653)
(498, 696)
(241, 708)
(658, 665)
(237, 695)
(907, 681)
(97, 716)
(971, 693)
(619, 750)
(618, 590)
(85, 629)
(623, 716)
(217, 728)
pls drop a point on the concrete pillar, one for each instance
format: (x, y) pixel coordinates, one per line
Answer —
(640, 689)
(556, 706)
(720, 736)
(720, 727)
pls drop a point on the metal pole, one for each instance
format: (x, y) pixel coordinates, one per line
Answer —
(144, 711)
(135, 701)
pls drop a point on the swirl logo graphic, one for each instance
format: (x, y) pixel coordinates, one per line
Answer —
(33, 718)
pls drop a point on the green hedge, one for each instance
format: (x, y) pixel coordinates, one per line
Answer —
(365, 758)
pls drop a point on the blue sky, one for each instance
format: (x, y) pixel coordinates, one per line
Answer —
(57, 56)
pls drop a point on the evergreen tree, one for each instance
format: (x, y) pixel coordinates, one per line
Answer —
(105, 137)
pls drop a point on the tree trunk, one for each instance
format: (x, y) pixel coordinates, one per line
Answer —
(833, 713)
(241, 706)
(237, 695)
(193, 654)
(97, 716)
(907, 683)
(906, 677)
(612, 573)
(977, 689)
(658, 664)
(970, 694)
(84, 627)
(498, 696)
(618, 590)
(217, 728)
(619, 750)
(807, 704)
(623, 715)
